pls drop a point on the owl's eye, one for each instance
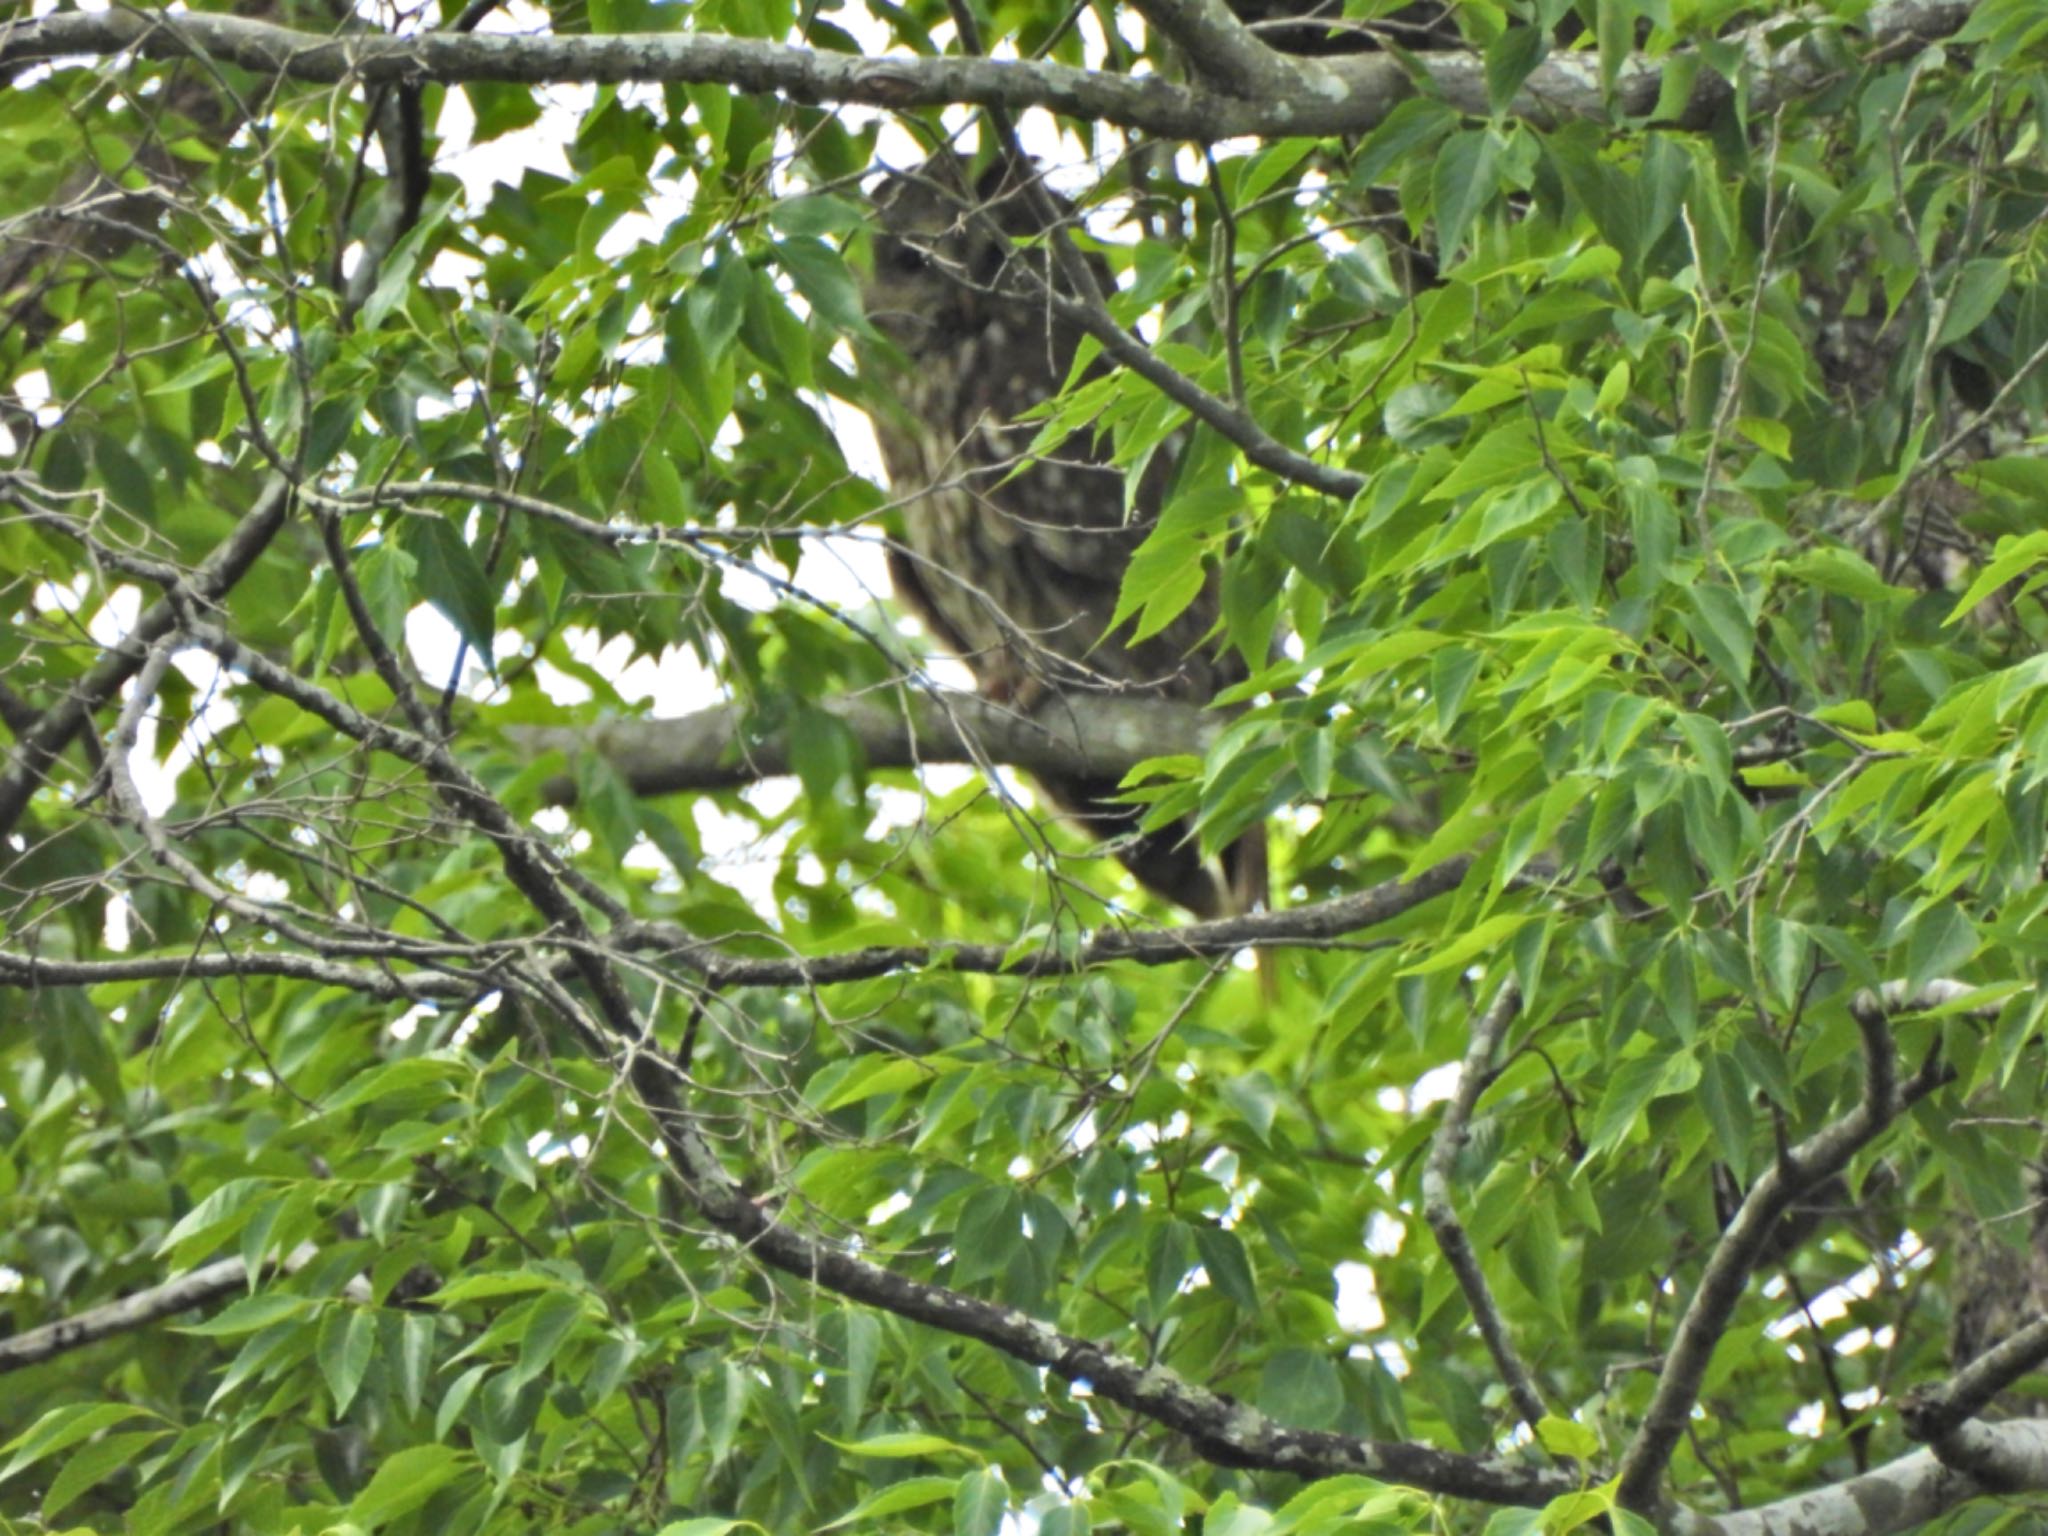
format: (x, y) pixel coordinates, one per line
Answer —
(903, 259)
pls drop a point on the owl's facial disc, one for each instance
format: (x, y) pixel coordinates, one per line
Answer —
(906, 291)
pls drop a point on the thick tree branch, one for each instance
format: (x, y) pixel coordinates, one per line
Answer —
(1349, 95)
(1099, 736)
(1902, 1496)
(1228, 1432)
(1319, 922)
(1749, 1234)
(1442, 1215)
(1934, 1412)
(1220, 47)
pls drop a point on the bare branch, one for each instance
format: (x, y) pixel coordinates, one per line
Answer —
(29, 972)
(449, 983)
(1155, 946)
(1442, 1216)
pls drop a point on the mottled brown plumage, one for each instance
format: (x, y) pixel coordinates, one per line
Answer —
(1018, 569)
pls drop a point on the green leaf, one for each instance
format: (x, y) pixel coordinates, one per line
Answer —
(863, 1346)
(911, 1493)
(216, 1218)
(1536, 1252)
(1482, 939)
(348, 1338)
(128, 484)
(1465, 181)
(250, 1315)
(2014, 555)
(1942, 942)
(1722, 628)
(453, 583)
(981, 1505)
(1724, 1098)
(1562, 1437)
(990, 1233)
(94, 1464)
(865, 1077)
(1169, 1256)
(1229, 1270)
(1630, 1090)
(61, 1428)
(1299, 1387)
(1569, 1511)
(821, 276)
(1508, 452)
(385, 575)
(1510, 58)
(549, 1323)
(403, 1482)
(1978, 288)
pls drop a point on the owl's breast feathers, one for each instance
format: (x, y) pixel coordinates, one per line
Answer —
(1016, 560)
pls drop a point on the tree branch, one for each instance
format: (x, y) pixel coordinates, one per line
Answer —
(1442, 1216)
(1320, 922)
(1749, 1234)
(1347, 95)
(197, 1288)
(1221, 47)
(1225, 1431)
(30, 972)
(1931, 1413)
(1317, 923)
(1902, 1496)
(1096, 735)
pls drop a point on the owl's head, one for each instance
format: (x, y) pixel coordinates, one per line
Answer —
(943, 251)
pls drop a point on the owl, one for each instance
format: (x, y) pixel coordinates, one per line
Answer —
(1014, 560)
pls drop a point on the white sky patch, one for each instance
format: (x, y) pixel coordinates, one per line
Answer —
(1433, 1087)
(1384, 1235)
(1832, 1304)
(547, 1147)
(1358, 1298)
(888, 1209)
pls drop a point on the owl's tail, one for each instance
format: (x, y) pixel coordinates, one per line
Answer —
(1249, 878)
(1168, 862)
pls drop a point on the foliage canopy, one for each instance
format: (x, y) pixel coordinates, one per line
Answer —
(440, 1096)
